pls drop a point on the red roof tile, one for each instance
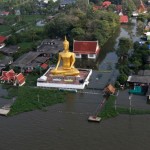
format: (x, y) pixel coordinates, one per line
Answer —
(106, 3)
(20, 78)
(124, 19)
(85, 47)
(2, 39)
(44, 66)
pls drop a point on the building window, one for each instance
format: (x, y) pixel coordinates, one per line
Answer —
(77, 54)
(91, 55)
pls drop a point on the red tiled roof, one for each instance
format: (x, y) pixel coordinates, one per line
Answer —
(106, 3)
(85, 47)
(44, 66)
(2, 39)
(8, 75)
(124, 19)
(5, 13)
(20, 78)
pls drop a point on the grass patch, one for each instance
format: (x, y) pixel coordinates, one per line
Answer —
(31, 79)
(109, 111)
(29, 99)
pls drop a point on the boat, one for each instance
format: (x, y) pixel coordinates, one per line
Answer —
(5, 110)
(94, 119)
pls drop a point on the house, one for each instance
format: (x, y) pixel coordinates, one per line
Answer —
(10, 50)
(29, 61)
(141, 8)
(19, 79)
(88, 49)
(63, 3)
(135, 14)
(106, 4)
(2, 40)
(11, 77)
(124, 19)
(109, 90)
(8, 76)
(5, 61)
(4, 13)
(50, 46)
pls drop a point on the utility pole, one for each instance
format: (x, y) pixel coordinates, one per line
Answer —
(130, 107)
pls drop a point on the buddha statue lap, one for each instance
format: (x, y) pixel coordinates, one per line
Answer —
(68, 60)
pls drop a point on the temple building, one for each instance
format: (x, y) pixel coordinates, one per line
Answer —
(86, 49)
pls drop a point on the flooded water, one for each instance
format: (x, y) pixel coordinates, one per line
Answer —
(65, 126)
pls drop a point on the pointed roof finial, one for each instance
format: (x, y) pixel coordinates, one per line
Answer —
(66, 42)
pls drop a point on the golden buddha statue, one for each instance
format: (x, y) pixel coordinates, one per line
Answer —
(68, 60)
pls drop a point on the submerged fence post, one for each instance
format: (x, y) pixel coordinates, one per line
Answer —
(130, 109)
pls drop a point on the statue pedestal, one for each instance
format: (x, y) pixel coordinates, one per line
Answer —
(65, 82)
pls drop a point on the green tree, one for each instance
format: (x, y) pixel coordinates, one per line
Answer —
(125, 44)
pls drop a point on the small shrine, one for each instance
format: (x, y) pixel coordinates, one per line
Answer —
(12, 77)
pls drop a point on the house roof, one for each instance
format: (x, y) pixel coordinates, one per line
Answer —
(139, 79)
(41, 59)
(20, 78)
(51, 46)
(124, 19)
(44, 66)
(106, 3)
(9, 49)
(144, 73)
(85, 47)
(26, 59)
(110, 89)
(2, 39)
(5, 61)
(8, 75)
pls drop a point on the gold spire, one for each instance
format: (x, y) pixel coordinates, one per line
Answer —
(66, 42)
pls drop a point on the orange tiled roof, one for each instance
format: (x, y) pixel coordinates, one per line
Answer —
(20, 78)
(110, 89)
(124, 19)
(106, 3)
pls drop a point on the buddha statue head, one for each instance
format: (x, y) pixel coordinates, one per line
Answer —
(66, 45)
